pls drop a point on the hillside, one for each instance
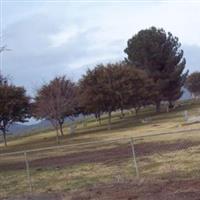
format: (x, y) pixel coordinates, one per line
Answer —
(44, 125)
(90, 130)
(95, 158)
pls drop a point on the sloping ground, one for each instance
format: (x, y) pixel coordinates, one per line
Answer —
(116, 154)
(150, 190)
(133, 190)
(130, 126)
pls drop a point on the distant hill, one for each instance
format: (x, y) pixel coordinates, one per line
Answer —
(18, 129)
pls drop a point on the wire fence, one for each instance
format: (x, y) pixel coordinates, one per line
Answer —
(69, 167)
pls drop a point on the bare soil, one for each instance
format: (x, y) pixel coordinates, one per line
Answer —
(143, 190)
(129, 190)
(132, 190)
(109, 156)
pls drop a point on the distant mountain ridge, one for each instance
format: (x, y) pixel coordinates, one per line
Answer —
(17, 129)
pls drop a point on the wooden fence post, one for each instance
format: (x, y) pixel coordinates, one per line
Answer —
(28, 173)
(134, 159)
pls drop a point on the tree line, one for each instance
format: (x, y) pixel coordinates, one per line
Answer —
(152, 72)
(193, 84)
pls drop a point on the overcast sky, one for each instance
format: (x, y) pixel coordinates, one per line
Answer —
(55, 38)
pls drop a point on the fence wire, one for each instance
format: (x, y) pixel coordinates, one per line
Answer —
(71, 167)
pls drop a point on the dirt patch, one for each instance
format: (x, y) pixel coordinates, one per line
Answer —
(156, 190)
(37, 197)
(146, 149)
(131, 190)
(107, 156)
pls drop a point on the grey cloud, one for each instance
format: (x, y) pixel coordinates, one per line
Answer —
(33, 60)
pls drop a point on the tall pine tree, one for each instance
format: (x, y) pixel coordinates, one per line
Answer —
(159, 54)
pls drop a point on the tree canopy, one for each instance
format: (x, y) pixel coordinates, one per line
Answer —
(153, 71)
(193, 83)
(14, 105)
(110, 87)
(56, 101)
(159, 54)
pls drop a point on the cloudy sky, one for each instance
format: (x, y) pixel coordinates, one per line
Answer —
(51, 38)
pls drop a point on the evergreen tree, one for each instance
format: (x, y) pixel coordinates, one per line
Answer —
(159, 54)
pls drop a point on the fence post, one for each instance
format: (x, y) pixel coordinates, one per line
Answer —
(134, 159)
(28, 173)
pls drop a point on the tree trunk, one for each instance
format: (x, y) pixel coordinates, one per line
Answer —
(99, 120)
(109, 120)
(171, 105)
(158, 106)
(136, 111)
(122, 113)
(61, 129)
(4, 138)
(98, 117)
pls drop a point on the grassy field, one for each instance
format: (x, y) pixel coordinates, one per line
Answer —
(130, 126)
(89, 158)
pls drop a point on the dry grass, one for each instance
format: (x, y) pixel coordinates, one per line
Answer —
(179, 163)
(130, 126)
(63, 179)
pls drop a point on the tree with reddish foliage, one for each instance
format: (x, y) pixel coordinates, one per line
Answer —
(193, 84)
(110, 87)
(132, 86)
(55, 102)
(14, 106)
(97, 93)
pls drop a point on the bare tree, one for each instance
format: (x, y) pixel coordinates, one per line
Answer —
(56, 101)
